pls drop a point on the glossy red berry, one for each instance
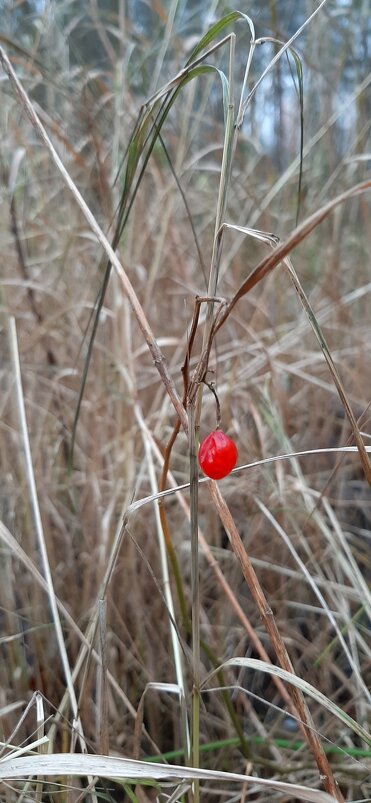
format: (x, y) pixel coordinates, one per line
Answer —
(217, 455)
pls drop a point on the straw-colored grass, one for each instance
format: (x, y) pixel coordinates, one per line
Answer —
(220, 628)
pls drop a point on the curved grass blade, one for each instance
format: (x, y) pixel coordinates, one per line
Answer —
(300, 95)
(284, 48)
(299, 683)
(143, 772)
(216, 29)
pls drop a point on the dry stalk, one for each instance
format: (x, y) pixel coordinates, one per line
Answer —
(277, 642)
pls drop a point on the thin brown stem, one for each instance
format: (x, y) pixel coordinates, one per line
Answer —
(202, 366)
(276, 639)
(211, 387)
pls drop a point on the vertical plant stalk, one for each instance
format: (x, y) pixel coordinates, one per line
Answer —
(195, 592)
(220, 211)
(40, 530)
(230, 142)
(102, 675)
(40, 728)
(166, 585)
(276, 639)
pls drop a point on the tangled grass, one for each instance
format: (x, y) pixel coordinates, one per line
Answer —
(142, 610)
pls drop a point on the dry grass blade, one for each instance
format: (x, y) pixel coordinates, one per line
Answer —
(38, 744)
(273, 241)
(39, 526)
(166, 688)
(128, 769)
(277, 641)
(299, 683)
(8, 539)
(103, 732)
(102, 239)
(34, 702)
(341, 450)
(333, 370)
(269, 263)
(166, 585)
(40, 720)
(308, 577)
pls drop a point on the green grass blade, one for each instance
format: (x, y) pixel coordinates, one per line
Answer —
(214, 31)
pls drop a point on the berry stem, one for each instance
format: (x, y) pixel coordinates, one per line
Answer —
(211, 386)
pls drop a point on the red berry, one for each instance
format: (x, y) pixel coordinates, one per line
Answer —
(217, 455)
